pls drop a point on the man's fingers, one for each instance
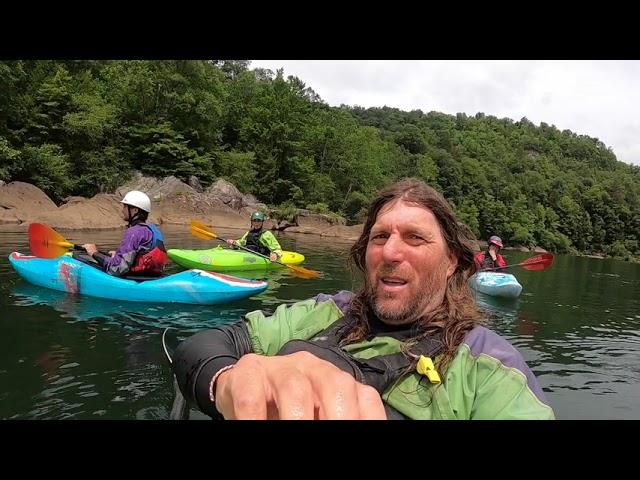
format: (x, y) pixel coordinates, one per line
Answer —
(297, 386)
(336, 394)
(248, 400)
(370, 403)
(293, 396)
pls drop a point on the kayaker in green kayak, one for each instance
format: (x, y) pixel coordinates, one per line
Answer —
(491, 259)
(142, 251)
(259, 240)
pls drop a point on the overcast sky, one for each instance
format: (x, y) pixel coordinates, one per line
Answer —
(596, 98)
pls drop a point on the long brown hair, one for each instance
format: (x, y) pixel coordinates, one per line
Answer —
(458, 313)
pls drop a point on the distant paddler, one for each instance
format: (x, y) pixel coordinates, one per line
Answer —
(259, 240)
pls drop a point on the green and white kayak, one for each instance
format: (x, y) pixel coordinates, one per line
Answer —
(224, 259)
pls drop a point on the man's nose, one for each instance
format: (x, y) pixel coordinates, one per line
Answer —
(393, 249)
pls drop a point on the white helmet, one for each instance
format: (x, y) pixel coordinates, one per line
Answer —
(137, 199)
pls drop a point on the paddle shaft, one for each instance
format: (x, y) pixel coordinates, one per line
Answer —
(500, 268)
(251, 251)
(521, 264)
(81, 248)
(201, 230)
(63, 244)
(76, 246)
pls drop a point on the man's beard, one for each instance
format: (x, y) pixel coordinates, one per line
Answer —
(426, 299)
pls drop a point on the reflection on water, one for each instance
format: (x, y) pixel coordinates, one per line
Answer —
(497, 307)
(577, 325)
(68, 356)
(128, 314)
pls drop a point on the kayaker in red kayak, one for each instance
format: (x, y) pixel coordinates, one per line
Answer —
(491, 259)
(142, 251)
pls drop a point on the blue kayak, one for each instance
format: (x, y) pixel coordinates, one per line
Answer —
(496, 284)
(67, 274)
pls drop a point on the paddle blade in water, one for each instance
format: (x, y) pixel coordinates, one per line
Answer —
(302, 272)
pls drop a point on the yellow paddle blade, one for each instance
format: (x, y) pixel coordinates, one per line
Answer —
(200, 230)
(302, 272)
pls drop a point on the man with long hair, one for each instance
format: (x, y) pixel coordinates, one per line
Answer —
(408, 345)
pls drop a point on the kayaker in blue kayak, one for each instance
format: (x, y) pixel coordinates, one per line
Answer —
(259, 240)
(142, 251)
(491, 259)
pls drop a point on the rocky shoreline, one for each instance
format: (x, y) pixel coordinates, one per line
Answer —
(173, 202)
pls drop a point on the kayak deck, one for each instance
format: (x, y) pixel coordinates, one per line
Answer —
(69, 275)
(496, 284)
(222, 259)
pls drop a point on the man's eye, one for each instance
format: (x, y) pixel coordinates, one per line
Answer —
(415, 239)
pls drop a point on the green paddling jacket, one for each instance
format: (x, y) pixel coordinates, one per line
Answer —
(263, 242)
(487, 379)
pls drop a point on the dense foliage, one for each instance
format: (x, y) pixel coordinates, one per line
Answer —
(82, 127)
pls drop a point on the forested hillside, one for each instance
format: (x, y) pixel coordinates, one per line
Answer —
(83, 127)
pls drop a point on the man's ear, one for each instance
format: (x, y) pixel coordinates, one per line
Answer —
(453, 264)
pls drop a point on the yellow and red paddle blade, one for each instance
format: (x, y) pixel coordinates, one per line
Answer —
(538, 262)
(45, 242)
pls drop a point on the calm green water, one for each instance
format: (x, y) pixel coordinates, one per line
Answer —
(577, 325)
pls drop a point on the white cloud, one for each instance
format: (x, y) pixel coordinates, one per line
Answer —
(596, 98)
